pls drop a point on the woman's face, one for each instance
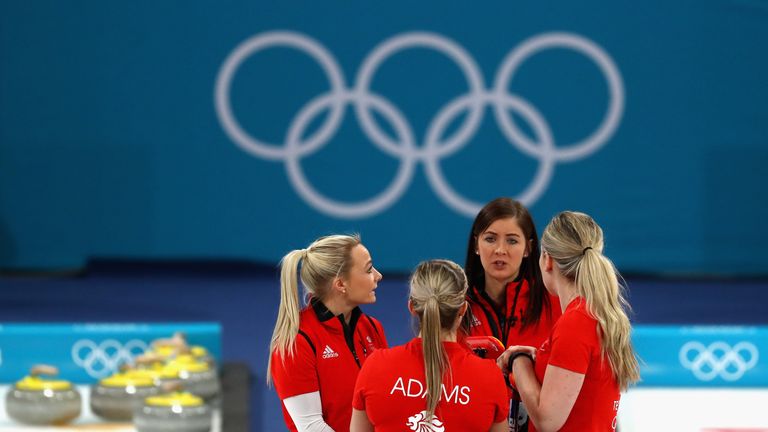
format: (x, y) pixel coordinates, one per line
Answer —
(502, 247)
(362, 278)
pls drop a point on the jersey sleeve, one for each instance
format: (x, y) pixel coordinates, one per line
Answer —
(295, 374)
(364, 378)
(573, 342)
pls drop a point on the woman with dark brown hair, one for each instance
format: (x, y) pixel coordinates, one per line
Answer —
(506, 295)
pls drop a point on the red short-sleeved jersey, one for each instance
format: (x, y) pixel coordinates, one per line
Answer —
(391, 388)
(506, 325)
(328, 356)
(575, 345)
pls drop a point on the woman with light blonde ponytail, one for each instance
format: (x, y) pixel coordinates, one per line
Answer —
(316, 351)
(573, 381)
(432, 383)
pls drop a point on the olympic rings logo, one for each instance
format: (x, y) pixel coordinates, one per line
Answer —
(719, 359)
(102, 359)
(435, 146)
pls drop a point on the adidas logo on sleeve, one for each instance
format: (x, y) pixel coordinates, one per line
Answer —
(475, 322)
(329, 353)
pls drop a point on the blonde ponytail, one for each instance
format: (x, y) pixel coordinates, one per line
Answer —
(287, 325)
(598, 282)
(435, 357)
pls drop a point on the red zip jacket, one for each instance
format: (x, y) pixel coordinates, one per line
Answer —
(328, 357)
(506, 325)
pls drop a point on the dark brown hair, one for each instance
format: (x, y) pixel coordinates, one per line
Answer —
(502, 208)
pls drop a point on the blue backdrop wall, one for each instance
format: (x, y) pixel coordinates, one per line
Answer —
(242, 129)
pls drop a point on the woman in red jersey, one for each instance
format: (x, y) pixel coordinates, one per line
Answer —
(588, 359)
(432, 383)
(317, 352)
(507, 297)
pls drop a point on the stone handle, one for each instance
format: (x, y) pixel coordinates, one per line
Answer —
(44, 369)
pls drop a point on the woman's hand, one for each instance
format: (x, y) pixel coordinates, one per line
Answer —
(514, 349)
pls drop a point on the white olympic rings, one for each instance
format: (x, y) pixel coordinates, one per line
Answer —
(718, 359)
(104, 358)
(435, 147)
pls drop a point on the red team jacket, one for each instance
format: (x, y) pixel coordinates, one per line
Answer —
(391, 389)
(574, 345)
(329, 355)
(506, 325)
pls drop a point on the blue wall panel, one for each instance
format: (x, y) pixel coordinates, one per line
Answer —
(112, 142)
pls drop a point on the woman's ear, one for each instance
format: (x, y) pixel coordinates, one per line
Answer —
(546, 260)
(410, 308)
(339, 285)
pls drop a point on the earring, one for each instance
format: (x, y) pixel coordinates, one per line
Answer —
(344, 291)
(477, 252)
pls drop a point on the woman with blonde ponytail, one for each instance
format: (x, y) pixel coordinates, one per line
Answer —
(432, 383)
(573, 381)
(317, 351)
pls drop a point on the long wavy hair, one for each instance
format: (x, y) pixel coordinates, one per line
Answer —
(575, 243)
